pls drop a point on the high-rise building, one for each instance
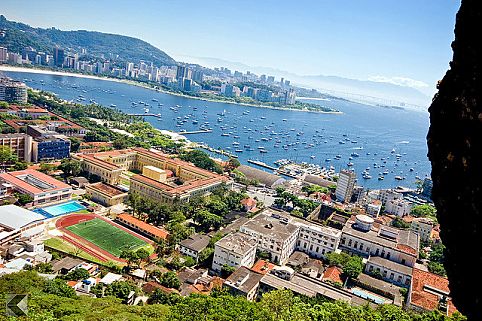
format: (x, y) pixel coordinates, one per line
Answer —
(29, 53)
(197, 76)
(13, 91)
(345, 185)
(183, 72)
(427, 187)
(58, 57)
(3, 55)
(270, 79)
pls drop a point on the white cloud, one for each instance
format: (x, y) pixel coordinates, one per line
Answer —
(400, 81)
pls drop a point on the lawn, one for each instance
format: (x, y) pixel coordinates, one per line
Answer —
(108, 237)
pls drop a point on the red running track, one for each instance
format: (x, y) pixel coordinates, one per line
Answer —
(89, 247)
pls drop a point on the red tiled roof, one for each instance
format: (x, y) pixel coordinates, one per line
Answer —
(333, 273)
(262, 267)
(106, 189)
(12, 178)
(248, 202)
(426, 300)
(406, 249)
(158, 232)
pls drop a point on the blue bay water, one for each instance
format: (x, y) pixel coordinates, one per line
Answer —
(307, 137)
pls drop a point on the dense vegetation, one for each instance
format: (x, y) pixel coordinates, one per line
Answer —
(19, 35)
(53, 300)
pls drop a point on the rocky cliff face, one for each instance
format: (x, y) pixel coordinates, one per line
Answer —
(455, 150)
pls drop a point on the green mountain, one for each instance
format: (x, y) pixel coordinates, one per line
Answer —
(18, 35)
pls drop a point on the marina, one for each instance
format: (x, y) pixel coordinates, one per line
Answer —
(374, 144)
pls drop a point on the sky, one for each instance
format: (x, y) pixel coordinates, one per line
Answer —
(404, 42)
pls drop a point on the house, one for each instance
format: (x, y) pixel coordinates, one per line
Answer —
(429, 292)
(244, 282)
(65, 265)
(237, 249)
(197, 281)
(262, 266)
(249, 204)
(298, 259)
(314, 268)
(194, 245)
(333, 274)
(110, 278)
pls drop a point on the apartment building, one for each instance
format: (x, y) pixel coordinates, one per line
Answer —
(390, 271)
(19, 144)
(345, 186)
(423, 227)
(316, 240)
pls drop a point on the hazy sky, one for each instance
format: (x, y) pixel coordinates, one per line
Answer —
(401, 41)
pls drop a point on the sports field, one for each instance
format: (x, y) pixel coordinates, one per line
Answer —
(107, 236)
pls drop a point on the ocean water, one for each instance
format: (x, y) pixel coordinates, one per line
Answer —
(376, 134)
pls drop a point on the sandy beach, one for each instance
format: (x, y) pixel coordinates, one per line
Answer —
(139, 84)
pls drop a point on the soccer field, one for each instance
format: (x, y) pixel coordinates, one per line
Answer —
(107, 236)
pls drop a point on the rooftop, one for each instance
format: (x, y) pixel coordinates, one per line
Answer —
(109, 190)
(243, 279)
(403, 240)
(14, 217)
(238, 242)
(262, 266)
(270, 226)
(263, 177)
(156, 231)
(427, 289)
(33, 181)
(393, 266)
(196, 242)
(333, 273)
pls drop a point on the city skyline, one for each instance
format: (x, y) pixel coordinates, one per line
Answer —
(405, 44)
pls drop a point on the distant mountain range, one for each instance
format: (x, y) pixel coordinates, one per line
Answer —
(98, 44)
(353, 89)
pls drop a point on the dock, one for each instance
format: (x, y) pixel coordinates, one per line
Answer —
(217, 151)
(201, 131)
(262, 164)
(146, 114)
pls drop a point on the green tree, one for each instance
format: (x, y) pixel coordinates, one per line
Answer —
(202, 160)
(120, 290)
(437, 268)
(24, 199)
(170, 280)
(400, 223)
(207, 220)
(18, 166)
(142, 254)
(353, 267)
(60, 288)
(47, 168)
(6, 156)
(70, 167)
(77, 274)
(424, 210)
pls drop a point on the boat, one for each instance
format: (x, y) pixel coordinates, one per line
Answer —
(238, 150)
(312, 156)
(350, 164)
(113, 105)
(399, 178)
(381, 178)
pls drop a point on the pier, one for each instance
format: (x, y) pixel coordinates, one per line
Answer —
(216, 151)
(201, 131)
(262, 164)
(147, 114)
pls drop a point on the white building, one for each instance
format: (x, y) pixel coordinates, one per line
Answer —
(373, 208)
(361, 237)
(390, 271)
(194, 245)
(423, 227)
(316, 240)
(273, 233)
(398, 207)
(234, 250)
(345, 185)
(18, 222)
(386, 195)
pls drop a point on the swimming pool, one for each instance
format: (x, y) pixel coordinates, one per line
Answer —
(368, 295)
(60, 209)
